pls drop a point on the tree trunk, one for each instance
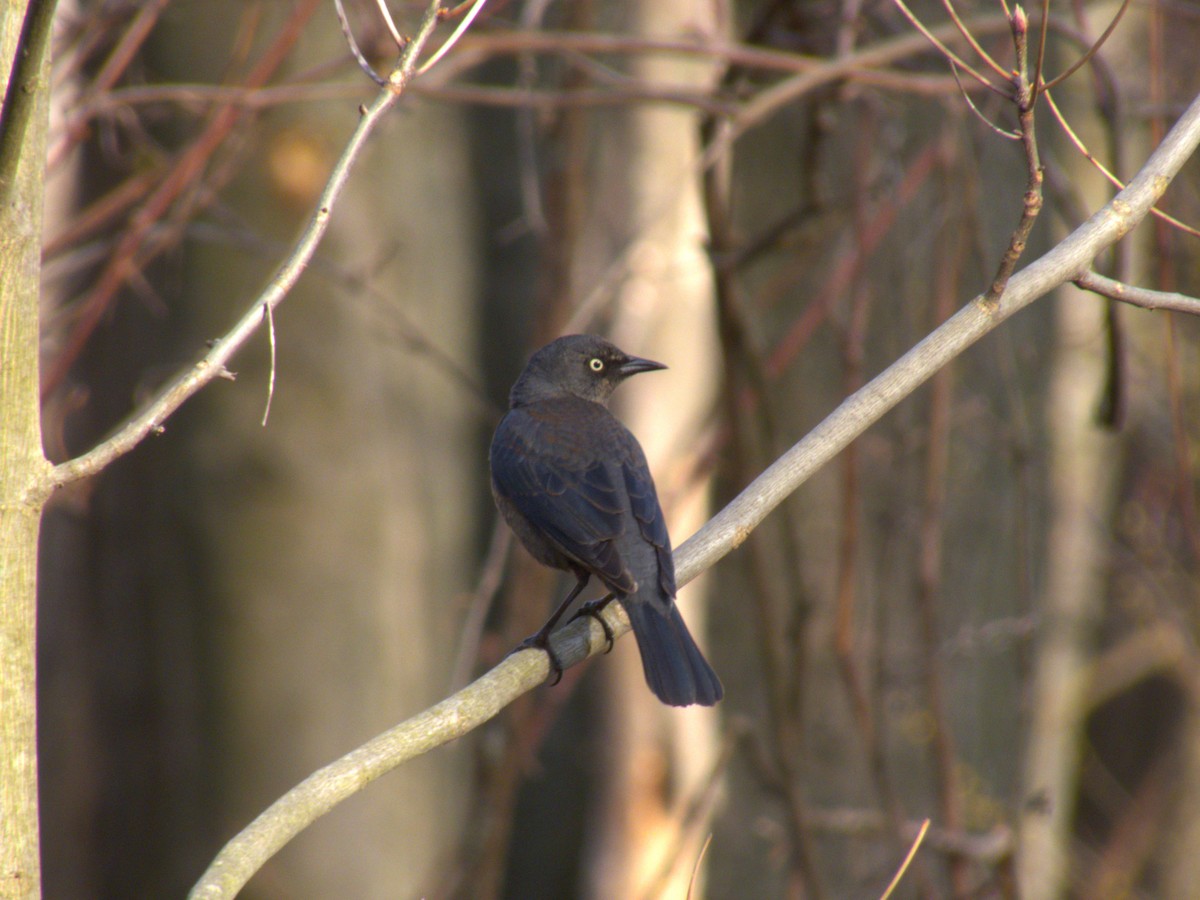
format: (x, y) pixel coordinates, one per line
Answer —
(25, 69)
(645, 220)
(339, 537)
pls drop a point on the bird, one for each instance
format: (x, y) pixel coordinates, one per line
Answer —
(572, 483)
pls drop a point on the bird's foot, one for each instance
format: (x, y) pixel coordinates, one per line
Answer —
(541, 641)
(592, 610)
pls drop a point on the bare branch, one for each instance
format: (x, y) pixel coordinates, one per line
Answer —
(270, 317)
(113, 68)
(136, 247)
(452, 718)
(1041, 58)
(521, 672)
(769, 101)
(1090, 52)
(1008, 135)
(916, 845)
(149, 419)
(391, 25)
(355, 50)
(1082, 148)
(970, 39)
(950, 55)
(454, 37)
(989, 848)
(1025, 98)
(1065, 262)
(1136, 296)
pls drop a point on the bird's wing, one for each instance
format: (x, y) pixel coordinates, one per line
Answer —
(563, 484)
(643, 499)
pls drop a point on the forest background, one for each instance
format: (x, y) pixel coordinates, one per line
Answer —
(980, 609)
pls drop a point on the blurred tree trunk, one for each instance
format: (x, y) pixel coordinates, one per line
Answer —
(236, 605)
(1176, 31)
(645, 220)
(1084, 475)
(1083, 468)
(337, 535)
(840, 615)
(1182, 848)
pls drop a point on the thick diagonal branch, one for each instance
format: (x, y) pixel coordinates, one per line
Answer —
(521, 672)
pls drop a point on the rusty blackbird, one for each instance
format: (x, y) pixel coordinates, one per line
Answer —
(573, 484)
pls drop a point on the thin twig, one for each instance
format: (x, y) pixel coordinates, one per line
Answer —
(1088, 155)
(536, 101)
(912, 852)
(454, 37)
(1010, 135)
(745, 56)
(942, 48)
(1036, 81)
(149, 419)
(769, 101)
(849, 265)
(1031, 204)
(696, 866)
(490, 576)
(1136, 296)
(389, 318)
(113, 68)
(270, 317)
(100, 213)
(355, 51)
(127, 256)
(970, 39)
(386, 15)
(990, 848)
(1091, 51)
(455, 10)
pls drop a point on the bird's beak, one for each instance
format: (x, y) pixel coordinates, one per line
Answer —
(635, 364)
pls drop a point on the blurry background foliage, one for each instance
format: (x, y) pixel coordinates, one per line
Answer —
(231, 606)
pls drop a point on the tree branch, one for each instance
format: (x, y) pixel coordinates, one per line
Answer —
(21, 98)
(1025, 97)
(1136, 296)
(521, 672)
(767, 102)
(150, 418)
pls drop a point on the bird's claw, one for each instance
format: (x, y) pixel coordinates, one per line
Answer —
(541, 641)
(592, 610)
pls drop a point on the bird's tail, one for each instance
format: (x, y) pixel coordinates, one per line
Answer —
(676, 670)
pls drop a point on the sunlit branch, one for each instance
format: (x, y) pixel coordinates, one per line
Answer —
(521, 672)
(1137, 296)
(149, 419)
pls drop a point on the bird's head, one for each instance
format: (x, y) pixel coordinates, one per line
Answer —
(578, 365)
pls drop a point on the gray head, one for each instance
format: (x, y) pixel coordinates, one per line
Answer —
(578, 365)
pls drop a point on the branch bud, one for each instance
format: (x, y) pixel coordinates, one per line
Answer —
(1020, 21)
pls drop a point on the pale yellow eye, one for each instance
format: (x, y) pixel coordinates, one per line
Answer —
(596, 365)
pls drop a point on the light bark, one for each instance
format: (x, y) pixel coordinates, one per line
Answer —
(24, 484)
